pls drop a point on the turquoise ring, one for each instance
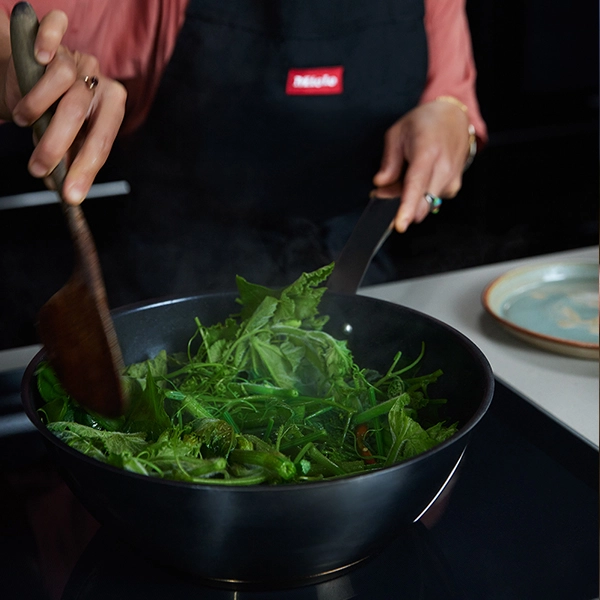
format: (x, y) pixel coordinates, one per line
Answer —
(434, 203)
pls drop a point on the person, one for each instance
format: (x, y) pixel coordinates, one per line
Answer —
(251, 133)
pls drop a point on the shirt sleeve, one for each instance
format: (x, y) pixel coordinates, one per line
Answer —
(132, 39)
(451, 70)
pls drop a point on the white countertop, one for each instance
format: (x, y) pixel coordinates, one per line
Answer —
(563, 386)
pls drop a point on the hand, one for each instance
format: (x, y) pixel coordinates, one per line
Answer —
(424, 151)
(86, 121)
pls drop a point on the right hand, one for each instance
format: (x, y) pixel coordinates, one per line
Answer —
(85, 123)
(432, 142)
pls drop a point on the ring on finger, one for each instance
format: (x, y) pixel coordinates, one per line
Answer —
(90, 81)
(435, 202)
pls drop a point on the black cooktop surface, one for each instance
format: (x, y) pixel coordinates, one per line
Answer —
(519, 522)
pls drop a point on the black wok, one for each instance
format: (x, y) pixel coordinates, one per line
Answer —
(288, 533)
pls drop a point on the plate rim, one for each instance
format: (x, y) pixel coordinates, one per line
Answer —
(485, 299)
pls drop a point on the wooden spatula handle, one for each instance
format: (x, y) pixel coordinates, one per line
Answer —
(76, 321)
(23, 30)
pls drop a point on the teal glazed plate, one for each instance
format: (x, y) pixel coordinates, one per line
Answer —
(553, 306)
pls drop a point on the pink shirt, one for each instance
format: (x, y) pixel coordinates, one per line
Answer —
(134, 40)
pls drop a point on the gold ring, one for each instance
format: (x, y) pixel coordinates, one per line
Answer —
(91, 82)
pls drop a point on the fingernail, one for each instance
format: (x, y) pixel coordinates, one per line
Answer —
(43, 57)
(377, 178)
(74, 194)
(402, 225)
(38, 169)
(19, 120)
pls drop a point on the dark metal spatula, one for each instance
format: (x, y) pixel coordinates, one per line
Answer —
(75, 325)
(367, 237)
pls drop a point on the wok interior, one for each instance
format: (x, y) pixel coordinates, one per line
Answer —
(375, 330)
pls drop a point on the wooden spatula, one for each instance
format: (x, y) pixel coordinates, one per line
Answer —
(75, 325)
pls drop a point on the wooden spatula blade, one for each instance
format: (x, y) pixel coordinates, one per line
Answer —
(83, 349)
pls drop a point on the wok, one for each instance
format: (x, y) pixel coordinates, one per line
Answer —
(285, 534)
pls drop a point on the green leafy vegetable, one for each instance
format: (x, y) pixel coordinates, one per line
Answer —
(266, 396)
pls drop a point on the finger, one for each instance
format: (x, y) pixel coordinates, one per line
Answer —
(102, 130)
(50, 183)
(444, 182)
(388, 191)
(67, 121)
(392, 160)
(451, 187)
(59, 76)
(446, 178)
(435, 173)
(68, 118)
(49, 36)
(414, 207)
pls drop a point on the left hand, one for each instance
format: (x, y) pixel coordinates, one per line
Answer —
(424, 151)
(87, 118)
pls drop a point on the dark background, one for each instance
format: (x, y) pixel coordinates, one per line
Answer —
(532, 190)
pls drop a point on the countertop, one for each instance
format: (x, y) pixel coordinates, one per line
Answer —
(563, 386)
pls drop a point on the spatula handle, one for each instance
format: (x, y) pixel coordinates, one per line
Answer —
(23, 30)
(92, 335)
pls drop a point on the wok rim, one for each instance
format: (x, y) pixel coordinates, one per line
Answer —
(28, 393)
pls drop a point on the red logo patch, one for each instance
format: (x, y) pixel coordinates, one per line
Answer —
(318, 81)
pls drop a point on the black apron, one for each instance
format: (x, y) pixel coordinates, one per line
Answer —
(236, 171)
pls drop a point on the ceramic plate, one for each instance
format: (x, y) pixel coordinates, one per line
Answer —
(554, 306)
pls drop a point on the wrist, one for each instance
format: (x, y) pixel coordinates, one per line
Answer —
(472, 151)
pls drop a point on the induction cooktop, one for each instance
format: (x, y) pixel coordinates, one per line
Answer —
(518, 522)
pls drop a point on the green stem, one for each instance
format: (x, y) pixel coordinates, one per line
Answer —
(190, 368)
(390, 372)
(375, 411)
(267, 433)
(227, 417)
(311, 437)
(196, 409)
(319, 413)
(302, 452)
(253, 479)
(394, 451)
(325, 401)
(415, 362)
(280, 465)
(417, 382)
(262, 390)
(325, 462)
